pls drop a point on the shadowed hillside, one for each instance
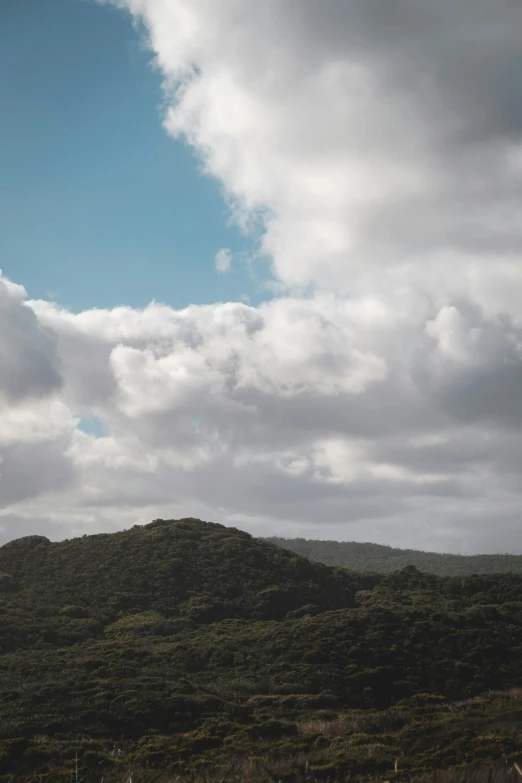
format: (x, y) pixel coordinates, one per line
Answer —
(186, 648)
(200, 571)
(384, 559)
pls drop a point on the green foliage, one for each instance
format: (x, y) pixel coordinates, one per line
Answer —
(185, 646)
(385, 559)
(75, 612)
(142, 624)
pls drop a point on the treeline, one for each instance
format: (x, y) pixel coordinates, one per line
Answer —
(385, 559)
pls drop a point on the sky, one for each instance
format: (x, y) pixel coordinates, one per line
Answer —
(262, 266)
(98, 206)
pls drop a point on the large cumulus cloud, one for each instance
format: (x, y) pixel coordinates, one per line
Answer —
(379, 144)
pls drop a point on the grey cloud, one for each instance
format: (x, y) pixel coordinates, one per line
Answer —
(90, 381)
(14, 526)
(452, 451)
(29, 365)
(475, 372)
(464, 54)
(257, 487)
(488, 394)
(31, 469)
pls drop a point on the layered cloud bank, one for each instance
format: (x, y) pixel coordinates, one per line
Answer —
(326, 416)
(375, 151)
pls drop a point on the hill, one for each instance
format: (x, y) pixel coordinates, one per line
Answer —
(199, 571)
(195, 649)
(385, 559)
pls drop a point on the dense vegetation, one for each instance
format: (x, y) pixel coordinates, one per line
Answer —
(385, 559)
(196, 650)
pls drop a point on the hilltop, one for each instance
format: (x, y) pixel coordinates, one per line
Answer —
(385, 559)
(191, 648)
(199, 571)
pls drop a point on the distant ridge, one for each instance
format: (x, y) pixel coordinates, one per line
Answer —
(385, 559)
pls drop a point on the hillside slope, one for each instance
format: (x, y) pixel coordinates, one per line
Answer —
(185, 646)
(385, 559)
(200, 571)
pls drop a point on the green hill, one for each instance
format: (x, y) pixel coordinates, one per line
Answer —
(190, 569)
(191, 649)
(385, 559)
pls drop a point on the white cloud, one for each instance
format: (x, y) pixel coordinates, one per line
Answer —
(313, 416)
(223, 260)
(379, 148)
(35, 422)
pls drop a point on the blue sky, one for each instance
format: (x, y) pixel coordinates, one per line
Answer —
(98, 206)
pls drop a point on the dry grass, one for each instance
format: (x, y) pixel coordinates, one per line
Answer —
(354, 723)
(332, 728)
(261, 770)
(473, 775)
(514, 693)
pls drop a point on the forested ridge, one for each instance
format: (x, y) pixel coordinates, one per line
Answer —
(385, 559)
(190, 649)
